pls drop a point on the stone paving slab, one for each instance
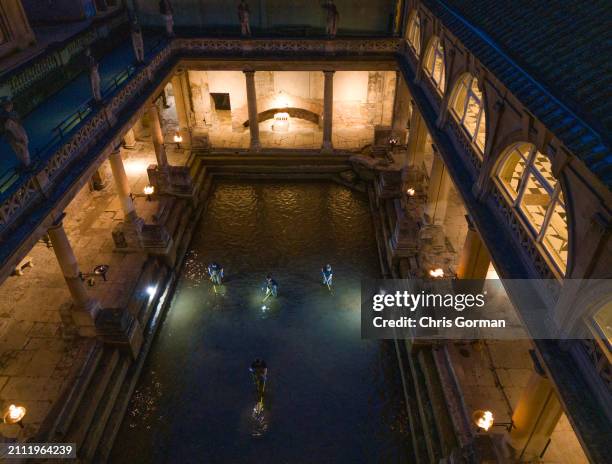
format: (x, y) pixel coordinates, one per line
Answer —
(493, 376)
(39, 357)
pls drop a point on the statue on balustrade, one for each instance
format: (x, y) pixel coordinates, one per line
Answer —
(166, 10)
(137, 42)
(94, 75)
(14, 132)
(244, 13)
(333, 16)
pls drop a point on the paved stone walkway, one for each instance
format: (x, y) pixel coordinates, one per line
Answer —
(39, 356)
(492, 377)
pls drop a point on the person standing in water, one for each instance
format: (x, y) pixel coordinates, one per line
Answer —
(271, 287)
(327, 274)
(215, 272)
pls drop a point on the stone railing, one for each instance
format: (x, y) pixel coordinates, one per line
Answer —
(28, 189)
(459, 134)
(432, 92)
(17, 81)
(599, 359)
(527, 243)
(34, 185)
(287, 46)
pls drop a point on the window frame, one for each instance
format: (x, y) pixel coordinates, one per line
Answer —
(559, 265)
(414, 29)
(437, 50)
(467, 81)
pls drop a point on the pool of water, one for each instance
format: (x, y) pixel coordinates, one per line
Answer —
(331, 397)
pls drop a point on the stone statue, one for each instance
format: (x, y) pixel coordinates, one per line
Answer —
(165, 9)
(243, 15)
(94, 75)
(137, 43)
(331, 27)
(14, 132)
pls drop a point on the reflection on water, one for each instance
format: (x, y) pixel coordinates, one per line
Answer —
(330, 397)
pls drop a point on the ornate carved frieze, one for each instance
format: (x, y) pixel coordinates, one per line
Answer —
(287, 46)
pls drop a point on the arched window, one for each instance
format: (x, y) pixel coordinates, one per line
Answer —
(467, 105)
(434, 64)
(414, 33)
(526, 176)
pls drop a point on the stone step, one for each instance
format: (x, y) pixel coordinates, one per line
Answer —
(103, 412)
(291, 159)
(129, 384)
(68, 404)
(92, 397)
(416, 426)
(443, 421)
(426, 413)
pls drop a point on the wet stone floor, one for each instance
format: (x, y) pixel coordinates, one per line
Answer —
(331, 397)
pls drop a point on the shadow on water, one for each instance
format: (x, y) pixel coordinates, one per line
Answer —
(331, 397)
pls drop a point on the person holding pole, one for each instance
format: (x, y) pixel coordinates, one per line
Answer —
(327, 274)
(270, 288)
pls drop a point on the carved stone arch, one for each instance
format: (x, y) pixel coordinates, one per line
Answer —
(504, 144)
(494, 109)
(451, 86)
(298, 113)
(446, 97)
(275, 102)
(492, 158)
(432, 42)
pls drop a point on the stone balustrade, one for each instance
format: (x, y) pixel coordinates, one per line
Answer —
(35, 186)
(20, 83)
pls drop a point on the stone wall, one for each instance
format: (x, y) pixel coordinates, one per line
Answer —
(361, 98)
(40, 11)
(274, 17)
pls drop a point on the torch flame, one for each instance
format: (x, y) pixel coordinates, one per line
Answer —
(437, 273)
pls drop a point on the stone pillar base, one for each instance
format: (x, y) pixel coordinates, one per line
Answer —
(174, 180)
(327, 148)
(159, 178)
(127, 235)
(404, 240)
(120, 328)
(80, 321)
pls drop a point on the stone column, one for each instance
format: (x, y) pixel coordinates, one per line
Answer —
(85, 308)
(123, 187)
(417, 139)
(252, 106)
(157, 136)
(129, 139)
(328, 111)
(474, 259)
(200, 94)
(401, 109)
(182, 108)
(437, 195)
(535, 417)
(97, 181)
